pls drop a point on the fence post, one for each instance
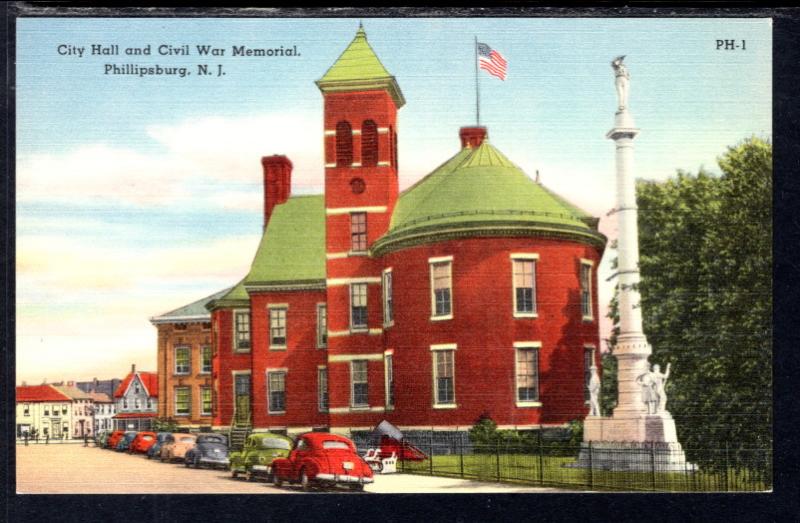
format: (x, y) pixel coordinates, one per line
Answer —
(461, 455)
(653, 464)
(497, 449)
(591, 467)
(430, 453)
(541, 459)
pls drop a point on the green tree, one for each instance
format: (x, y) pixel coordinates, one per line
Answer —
(705, 261)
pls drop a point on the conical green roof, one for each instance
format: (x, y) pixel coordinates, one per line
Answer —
(358, 68)
(481, 192)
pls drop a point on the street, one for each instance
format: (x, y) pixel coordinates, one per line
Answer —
(75, 469)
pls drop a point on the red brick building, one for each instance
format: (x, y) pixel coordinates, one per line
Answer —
(474, 291)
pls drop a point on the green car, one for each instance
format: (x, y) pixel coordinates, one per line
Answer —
(256, 458)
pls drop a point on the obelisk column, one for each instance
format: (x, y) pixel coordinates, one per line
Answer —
(632, 349)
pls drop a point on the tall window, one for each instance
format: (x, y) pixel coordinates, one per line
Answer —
(588, 361)
(388, 311)
(183, 360)
(344, 144)
(26, 409)
(358, 306)
(322, 389)
(183, 398)
(205, 401)
(441, 283)
(524, 287)
(47, 410)
(443, 377)
(358, 231)
(276, 381)
(388, 362)
(359, 383)
(394, 146)
(242, 331)
(277, 327)
(586, 290)
(205, 359)
(322, 325)
(369, 144)
(527, 374)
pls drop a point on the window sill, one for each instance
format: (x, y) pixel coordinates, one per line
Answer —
(205, 372)
(528, 404)
(241, 351)
(365, 408)
(445, 406)
(277, 347)
(276, 412)
(181, 373)
(359, 330)
(588, 318)
(182, 415)
(357, 253)
(442, 318)
(526, 315)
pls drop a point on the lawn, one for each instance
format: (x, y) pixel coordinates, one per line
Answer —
(551, 471)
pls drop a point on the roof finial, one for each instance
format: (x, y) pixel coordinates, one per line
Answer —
(537, 176)
(361, 33)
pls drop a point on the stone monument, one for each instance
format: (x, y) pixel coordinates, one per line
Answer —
(640, 434)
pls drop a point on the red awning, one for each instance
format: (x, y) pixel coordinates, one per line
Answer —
(125, 415)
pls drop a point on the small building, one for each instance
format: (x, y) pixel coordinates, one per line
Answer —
(44, 411)
(82, 410)
(104, 411)
(136, 401)
(184, 363)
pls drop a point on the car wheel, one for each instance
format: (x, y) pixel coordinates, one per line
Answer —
(357, 487)
(188, 464)
(234, 473)
(249, 475)
(277, 481)
(304, 481)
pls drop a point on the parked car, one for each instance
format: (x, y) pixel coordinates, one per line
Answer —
(322, 459)
(176, 445)
(210, 449)
(124, 442)
(155, 450)
(101, 438)
(142, 442)
(255, 459)
(113, 439)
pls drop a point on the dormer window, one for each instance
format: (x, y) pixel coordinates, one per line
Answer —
(344, 144)
(369, 144)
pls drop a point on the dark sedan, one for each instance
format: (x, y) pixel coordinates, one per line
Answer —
(125, 441)
(155, 451)
(210, 450)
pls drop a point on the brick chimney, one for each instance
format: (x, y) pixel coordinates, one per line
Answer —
(472, 136)
(277, 182)
(133, 368)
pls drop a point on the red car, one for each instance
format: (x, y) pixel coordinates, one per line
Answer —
(322, 459)
(114, 438)
(142, 442)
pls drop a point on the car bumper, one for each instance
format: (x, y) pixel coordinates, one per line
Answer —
(213, 461)
(343, 478)
(261, 468)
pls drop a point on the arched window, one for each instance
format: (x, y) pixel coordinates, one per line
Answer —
(344, 144)
(369, 144)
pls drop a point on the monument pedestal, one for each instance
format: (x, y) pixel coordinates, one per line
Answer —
(640, 442)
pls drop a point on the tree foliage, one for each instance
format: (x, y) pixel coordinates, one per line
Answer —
(706, 268)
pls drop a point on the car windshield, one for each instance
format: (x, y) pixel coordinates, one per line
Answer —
(331, 444)
(213, 439)
(186, 439)
(275, 443)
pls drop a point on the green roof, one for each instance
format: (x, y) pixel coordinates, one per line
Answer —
(358, 68)
(194, 311)
(292, 249)
(481, 192)
(235, 297)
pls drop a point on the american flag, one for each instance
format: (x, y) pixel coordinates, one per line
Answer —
(491, 61)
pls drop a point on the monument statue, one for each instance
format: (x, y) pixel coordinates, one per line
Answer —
(622, 82)
(594, 392)
(653, 385)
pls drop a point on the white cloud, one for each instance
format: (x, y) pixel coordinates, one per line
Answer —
(186, 163)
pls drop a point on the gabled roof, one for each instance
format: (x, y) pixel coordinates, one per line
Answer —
(34, 393)
(481, 192)
(359, 69)
(100, 397)
(235, 297)
(195, 311)
(73, 392)
(149, 381)
(292, 249)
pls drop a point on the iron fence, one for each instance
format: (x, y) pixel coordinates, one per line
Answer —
(622, 467)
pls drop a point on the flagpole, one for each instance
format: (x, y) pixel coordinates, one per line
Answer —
(477, 90)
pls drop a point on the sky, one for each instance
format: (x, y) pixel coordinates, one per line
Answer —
(137, 195)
